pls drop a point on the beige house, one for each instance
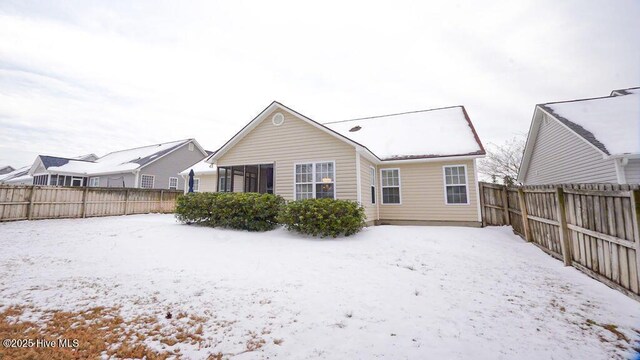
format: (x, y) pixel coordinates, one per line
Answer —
(409, 168)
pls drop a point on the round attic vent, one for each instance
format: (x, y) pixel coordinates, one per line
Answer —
(355, 128)
(277, 119)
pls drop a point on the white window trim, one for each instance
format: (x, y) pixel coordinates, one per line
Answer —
(313, 176)
(196, 188)
(177, 183)
(153, 181)
(74, 178)
(372, 174)
(466, 184)
(399, 187)
(91, 181)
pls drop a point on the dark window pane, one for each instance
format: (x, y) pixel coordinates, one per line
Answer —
(456, 194)
(324, 191)
(391, 195)
(373, 194)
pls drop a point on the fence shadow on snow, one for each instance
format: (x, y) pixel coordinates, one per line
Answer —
(593, 227)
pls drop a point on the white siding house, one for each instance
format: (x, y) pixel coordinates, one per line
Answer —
(584, 141)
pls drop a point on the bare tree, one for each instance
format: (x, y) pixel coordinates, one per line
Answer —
(503, 161)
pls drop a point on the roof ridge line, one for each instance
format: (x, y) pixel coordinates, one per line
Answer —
(145, 146)
(576, 100)
(402, 113)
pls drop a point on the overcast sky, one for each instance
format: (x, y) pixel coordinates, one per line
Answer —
(98, 76)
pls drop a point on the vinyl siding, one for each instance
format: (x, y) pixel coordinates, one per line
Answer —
(207, 182)
(632, 171)
(294, 141)
(422, 194)
(561, 156)
(365, 178)
(117, 180)
(171, 165)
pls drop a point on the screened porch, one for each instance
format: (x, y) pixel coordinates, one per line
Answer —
(246, 178)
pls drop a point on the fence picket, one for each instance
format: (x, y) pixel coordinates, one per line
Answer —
(593, 227)
(20, 202)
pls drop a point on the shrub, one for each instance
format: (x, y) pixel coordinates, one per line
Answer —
(194, 207)
(323, 217)
(245, 211)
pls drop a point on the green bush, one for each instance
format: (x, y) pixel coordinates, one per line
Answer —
(245, 211)
(323, 217)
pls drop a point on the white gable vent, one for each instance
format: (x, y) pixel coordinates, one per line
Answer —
(277, 119)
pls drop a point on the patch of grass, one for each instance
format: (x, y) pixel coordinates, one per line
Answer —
(614, 330)
(100, 331)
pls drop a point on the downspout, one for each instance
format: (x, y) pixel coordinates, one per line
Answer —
(137, 174)
(477, 181)
(358, 179)
(620, 163)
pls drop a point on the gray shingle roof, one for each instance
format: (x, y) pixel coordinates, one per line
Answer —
(49, 161)
(586, 134)
(145, 160)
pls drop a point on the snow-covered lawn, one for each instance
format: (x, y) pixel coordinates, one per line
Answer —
(388, 292)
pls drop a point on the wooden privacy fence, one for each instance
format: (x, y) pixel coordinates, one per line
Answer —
(53, 202)
(593, 227)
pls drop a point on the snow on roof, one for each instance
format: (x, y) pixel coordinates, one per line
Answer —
(15, 173)
(418, 134)
(611, 123)
(118, 161)
(201, 168)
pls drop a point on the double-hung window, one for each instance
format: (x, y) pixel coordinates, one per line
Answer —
(173, 183)
(390, 182)
(315, 180)
(196, 184)
(455, 183)
(94, 182)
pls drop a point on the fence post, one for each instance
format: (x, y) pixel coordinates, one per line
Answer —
(84, 202)
(525, 216)
(31, 198)
(564, 232)
(635, 211)
(505, 205)
(482, 210)
(126, 202)
(161, 208)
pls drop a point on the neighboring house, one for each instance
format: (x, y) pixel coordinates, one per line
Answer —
(17, 177)
(6, 169)
(410, 168)
(584, 141)
(152, 167)
(204, 179)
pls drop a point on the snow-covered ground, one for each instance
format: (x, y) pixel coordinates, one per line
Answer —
(388, 292)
